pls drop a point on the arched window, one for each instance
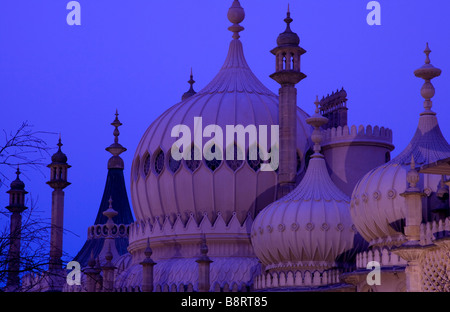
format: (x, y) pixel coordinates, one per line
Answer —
(236, 162)
(214, 163)
(254, 162)
(174, 165)
(194, 162)
(147, 165)
(159, 162)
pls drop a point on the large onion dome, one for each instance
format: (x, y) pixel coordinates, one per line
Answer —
(162, 186)
(377, 208)
(310, 227)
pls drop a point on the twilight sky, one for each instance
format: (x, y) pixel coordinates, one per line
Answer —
(136, 56)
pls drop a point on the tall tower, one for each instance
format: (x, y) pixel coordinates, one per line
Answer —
(58, 182)
(16, 207)
(287, 74)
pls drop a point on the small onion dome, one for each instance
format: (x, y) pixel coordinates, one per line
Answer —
(311, 226)
(377, 208)
(17, 184)
(288, 37)
(59, 157)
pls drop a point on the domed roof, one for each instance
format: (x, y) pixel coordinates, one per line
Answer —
(311, 226)
(377, 208)
(162, 186)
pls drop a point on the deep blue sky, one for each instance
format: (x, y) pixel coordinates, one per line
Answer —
(136, 56)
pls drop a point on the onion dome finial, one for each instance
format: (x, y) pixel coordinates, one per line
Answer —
(427, 72)
(236, 15)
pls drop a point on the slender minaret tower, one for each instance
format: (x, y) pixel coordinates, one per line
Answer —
(287, 74)
(16, 207)
(58, 182)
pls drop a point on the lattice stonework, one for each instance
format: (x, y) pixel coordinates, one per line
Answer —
(436, 271)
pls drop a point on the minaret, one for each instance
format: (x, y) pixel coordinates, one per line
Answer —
(191, 90)
(58, 182)
(16, 207)
(287, 74)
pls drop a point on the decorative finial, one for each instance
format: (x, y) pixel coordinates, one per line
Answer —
(288, 19)
(148, 251)
(148, 261)
(236, 15)
(110, 212)
(18, 172)
(191, 90)
(317, 103)
(116, 123)
(412, 176)
(191, 81)
(427, 72)
(317, 121)
(427, 53)
(413, 163)
(204, 248)
(116, 149)
(59, 142)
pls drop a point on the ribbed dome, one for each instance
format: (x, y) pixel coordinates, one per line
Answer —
(311, 226)
(234, 97)
(377, 208)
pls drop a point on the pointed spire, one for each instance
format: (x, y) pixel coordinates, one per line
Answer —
(288, 19)
(427, 72)
(236, 15)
